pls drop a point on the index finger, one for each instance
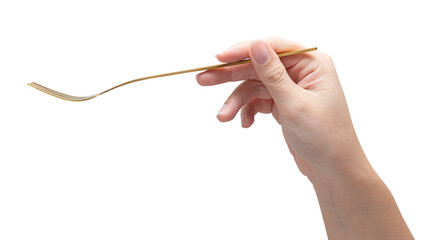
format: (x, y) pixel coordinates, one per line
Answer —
(240, 51)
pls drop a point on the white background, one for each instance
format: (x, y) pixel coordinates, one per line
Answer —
(150, 160)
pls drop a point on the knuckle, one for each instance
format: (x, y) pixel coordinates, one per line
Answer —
(325, 58)
(256, 90)
(253, 102)
(275, 75)
(299, 107)
(322, 62)
(296, 111)
(261, 91)
(252, 74)
(227, 73)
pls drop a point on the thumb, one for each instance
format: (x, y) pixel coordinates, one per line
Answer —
(273, 74)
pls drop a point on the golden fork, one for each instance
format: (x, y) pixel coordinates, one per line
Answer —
(78, 99)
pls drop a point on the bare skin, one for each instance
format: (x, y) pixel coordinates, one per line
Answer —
(305, 97)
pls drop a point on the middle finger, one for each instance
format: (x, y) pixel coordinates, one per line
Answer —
(239, 72)
(227, 74)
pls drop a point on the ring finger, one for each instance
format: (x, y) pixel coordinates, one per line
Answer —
(241, 96)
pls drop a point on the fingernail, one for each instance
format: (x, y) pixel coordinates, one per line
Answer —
(222, 110)
(243, 120)
(260, 52)
(219, 53)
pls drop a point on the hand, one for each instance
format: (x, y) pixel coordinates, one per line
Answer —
(303, 94)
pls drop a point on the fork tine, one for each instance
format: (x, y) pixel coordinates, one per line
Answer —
(50, 91)
(59, 94)
(43, 88)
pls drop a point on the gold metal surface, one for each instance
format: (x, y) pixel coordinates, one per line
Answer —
(79, 99)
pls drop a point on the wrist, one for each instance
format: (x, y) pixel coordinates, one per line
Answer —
(348, 170)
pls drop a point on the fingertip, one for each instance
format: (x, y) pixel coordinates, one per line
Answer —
(197, 78)
(220, 118)
(246, 118)
(218, 54)
(247, 125)
(224, 117)
(221, 113)
(260, 52)
(249, 121)
(201, 83)
(243, 120)
(202, 79)
(233, 54)
(227, 112)
(223, 57)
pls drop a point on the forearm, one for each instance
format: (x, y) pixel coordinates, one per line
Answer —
(359, 206)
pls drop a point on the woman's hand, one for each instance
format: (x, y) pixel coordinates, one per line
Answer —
(303, 94)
